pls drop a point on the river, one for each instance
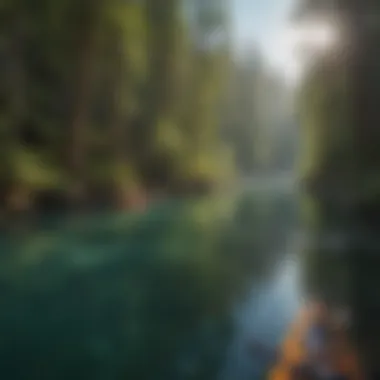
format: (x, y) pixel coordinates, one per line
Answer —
(175, 293)
(263, 317)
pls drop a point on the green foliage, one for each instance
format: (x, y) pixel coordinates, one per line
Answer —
(110, 85)
(34, 170)
(325, 117)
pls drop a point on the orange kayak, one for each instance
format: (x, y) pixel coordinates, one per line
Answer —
(292, 352)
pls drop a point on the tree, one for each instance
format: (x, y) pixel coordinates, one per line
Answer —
(206, 153)
(339, 116)
(128, 96)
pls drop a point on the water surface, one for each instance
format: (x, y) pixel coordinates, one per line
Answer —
(175, 293)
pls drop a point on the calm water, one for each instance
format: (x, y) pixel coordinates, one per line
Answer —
(176, 293)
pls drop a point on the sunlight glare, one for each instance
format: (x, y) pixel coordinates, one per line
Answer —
(320, 36)
(310, 39)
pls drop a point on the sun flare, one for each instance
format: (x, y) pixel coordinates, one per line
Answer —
(295, 44)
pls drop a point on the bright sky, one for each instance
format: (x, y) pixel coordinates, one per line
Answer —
(265, 22)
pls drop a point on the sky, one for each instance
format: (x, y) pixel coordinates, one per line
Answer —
(265, 23)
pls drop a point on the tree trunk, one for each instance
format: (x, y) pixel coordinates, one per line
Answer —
(17, 77)
(81, 111)
(119, 120)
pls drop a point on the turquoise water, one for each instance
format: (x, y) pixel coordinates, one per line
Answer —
(175, 293)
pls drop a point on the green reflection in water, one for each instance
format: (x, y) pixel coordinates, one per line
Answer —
(135, 296)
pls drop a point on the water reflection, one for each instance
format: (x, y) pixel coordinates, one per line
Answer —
(264, 317)
(144, 296)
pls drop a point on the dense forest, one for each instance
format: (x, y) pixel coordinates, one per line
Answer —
(117, 102)
(340, 162)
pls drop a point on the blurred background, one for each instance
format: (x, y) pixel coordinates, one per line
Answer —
(177, 177)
